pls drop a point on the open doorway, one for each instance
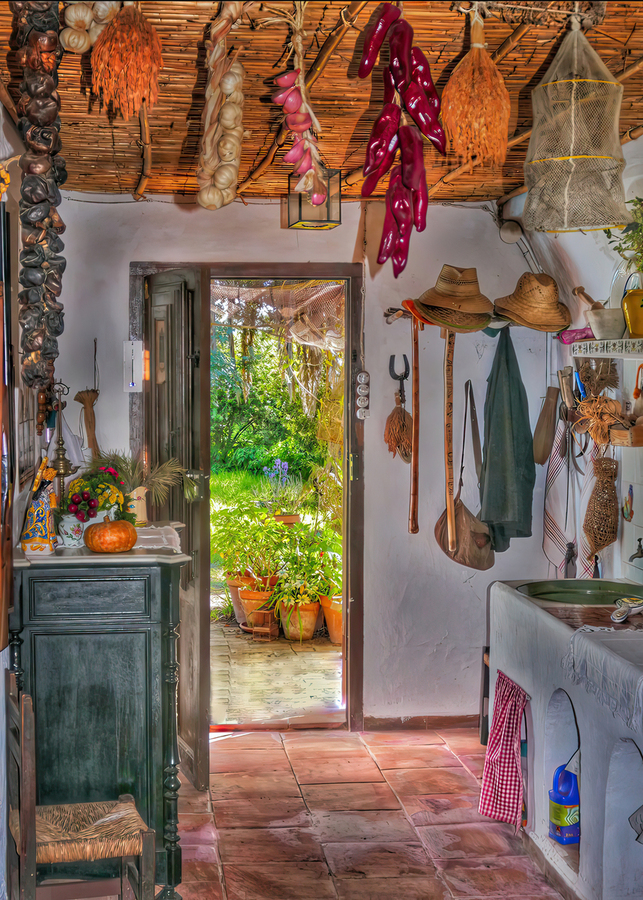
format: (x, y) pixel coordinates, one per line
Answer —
(277, 412)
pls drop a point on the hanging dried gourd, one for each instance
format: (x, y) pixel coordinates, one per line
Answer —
(475, 103)
(126, 61)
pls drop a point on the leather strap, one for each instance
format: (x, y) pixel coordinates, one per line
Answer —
(470, 406)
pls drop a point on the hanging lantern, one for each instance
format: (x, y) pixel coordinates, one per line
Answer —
(574, 161)
(301, 212)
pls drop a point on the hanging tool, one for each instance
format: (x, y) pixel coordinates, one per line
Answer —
(415, 441)
(400, 378)
(449, 346)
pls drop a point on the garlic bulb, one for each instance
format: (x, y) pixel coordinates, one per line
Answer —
(210, 197)
(105, 10)
(229, 148)
(230, 81)
(238, 69)
(236, 97)
(229, 194)
(74, 40)
(95, 29)
(79, 16)
(230, 115)
(226, 175)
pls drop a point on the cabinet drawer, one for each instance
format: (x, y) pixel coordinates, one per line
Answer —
(85, 595)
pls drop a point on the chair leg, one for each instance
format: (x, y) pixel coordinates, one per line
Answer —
(126, 887)
(147, 866)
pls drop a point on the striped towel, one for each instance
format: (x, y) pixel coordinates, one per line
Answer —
(560, 501)
(502, 790)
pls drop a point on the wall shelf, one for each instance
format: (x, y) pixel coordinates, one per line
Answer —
(626, 348)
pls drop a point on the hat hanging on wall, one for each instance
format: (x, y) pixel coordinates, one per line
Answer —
(535, 304)
(455, 302)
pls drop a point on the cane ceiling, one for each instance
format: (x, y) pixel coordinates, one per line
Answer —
(105, 156)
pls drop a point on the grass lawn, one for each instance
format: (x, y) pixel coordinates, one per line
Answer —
(230, 487)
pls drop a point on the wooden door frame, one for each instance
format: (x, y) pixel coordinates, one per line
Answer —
(353, 537)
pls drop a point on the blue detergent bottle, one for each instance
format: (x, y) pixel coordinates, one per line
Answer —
(564, 808)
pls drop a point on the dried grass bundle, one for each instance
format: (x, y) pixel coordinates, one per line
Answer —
(476, 105)
(598, 375)
(596, 415)
(398, 431)
(126, 60)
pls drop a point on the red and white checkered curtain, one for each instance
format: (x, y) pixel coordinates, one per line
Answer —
(502, 789)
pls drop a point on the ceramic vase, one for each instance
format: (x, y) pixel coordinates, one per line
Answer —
(39, 535)
(70, 531)
(138, 505)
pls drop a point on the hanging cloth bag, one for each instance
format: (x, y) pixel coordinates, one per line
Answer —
(473, 542)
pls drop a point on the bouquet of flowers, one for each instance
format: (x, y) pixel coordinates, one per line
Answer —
(94, 492)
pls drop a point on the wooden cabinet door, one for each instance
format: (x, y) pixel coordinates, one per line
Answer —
(178, 344)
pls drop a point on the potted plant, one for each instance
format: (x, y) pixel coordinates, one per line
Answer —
(331, 598)
(261, 559)
(228, 541)
(139, 480)
(297, 593)
(280, 492)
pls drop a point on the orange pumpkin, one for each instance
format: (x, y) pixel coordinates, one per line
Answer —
(110, 537)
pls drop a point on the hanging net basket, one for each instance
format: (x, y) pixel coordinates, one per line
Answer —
(574, 161)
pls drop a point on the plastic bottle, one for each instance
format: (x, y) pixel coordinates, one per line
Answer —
(564, 808)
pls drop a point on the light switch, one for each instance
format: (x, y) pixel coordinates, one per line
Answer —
(132, 367)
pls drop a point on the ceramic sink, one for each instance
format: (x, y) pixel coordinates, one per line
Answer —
(584, 592)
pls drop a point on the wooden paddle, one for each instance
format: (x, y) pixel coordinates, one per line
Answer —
(415, 440)
(449, 345)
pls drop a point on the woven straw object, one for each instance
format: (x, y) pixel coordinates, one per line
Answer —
(535, 304)
(126, 60)
(476, 104)
(452, 319)
(601, 518)
(398, 431)
(84, 831)
(457, 289)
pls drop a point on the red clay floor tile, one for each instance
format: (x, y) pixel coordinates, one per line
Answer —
(350, 796)
(200, 864)
(418, 756)
(471, 841)
(404, 738)
(246, 740)
(253, 812)
(443, 809)
(409, 782)
(267, 762)
(236, 786)
(196, 829)
(263, 845)
(405, 888)
(384, 859)
(506, 878)
(327, 770)
(332, 826)
(283, 881)
(201, 890)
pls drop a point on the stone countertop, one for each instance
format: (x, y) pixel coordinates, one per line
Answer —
(84, 557)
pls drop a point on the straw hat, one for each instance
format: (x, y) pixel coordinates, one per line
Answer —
(452, 319)
(534, 303)
(457, 289)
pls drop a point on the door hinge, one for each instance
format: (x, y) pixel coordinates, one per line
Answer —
(353, 467)
(196, 357)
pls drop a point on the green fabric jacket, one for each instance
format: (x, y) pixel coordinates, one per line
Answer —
(508, 468)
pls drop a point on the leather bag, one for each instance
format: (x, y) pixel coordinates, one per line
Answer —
(473, 542)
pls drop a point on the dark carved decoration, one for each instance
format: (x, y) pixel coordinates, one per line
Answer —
(36, 26)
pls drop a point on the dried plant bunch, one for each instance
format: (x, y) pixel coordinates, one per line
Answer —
(126, 61)
(598, 375)
(596, 415)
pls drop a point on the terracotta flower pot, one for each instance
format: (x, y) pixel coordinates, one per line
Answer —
(333, 613)
(298, 622)
(252, 601)
(234, 583)
(292, 519)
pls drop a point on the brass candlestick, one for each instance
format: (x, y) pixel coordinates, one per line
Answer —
(60, 462)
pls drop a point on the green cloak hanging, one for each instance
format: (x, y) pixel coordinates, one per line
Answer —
(508, 468)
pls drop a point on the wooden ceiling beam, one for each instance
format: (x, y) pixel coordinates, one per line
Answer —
(346, 19)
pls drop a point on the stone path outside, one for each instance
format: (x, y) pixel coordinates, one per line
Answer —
(281, 683)
(330, 815)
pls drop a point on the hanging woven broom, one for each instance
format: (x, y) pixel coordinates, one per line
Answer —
(475, 103)
(398, 431)
(126, 60)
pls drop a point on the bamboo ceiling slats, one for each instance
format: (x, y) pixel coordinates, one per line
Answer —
(105, 156)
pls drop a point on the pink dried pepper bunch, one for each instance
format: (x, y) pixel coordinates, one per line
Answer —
(408, 88)
(301, 120)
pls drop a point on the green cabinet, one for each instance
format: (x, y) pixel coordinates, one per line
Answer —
(93, 640)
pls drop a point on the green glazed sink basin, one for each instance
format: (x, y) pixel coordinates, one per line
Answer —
(585, 592)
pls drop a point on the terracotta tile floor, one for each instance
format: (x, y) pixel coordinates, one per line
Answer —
(276, 682)
(283, 820)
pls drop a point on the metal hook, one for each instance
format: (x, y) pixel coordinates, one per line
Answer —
(401, 378)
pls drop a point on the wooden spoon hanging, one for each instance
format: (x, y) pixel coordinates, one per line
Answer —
(415, 440)
(449, 346)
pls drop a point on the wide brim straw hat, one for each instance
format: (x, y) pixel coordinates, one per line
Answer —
(451, 319)
(534, 303)
(457, 289)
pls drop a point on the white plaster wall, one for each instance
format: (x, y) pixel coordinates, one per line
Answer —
(424, 615)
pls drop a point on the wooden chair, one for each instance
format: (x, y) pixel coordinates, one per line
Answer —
(68, 832)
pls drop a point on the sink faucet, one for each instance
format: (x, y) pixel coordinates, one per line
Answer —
(639, 552)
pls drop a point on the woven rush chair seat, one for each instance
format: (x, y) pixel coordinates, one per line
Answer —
(85, 831)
